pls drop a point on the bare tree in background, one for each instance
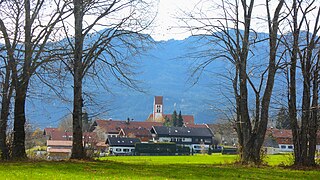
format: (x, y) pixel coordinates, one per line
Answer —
(28, 31)
(304, 48)
(6, 85)
(233, 36)
(106, 51)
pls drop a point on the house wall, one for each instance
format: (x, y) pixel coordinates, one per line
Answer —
(286, 147)
(120, 150)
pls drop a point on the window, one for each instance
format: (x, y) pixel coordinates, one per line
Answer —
(125, 150)
(283, 147)
(158, 109)
(118, 149)
(290, 147)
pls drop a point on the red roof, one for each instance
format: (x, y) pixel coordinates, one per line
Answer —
(284, 136)
(158, 99)
(114, 126)
(48, 131)
(59, 143)
(197, 125)
(58, 135)
(136, 132)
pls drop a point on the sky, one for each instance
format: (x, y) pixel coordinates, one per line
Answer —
(166, 21)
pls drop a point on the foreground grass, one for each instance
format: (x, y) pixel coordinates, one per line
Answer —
(147, 167)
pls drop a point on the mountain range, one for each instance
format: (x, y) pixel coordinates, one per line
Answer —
(164, 69)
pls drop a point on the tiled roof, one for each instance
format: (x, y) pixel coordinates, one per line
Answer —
(59, 143)
(197, 125)
(280, 133)
(118, 141)
(182, 131)
(114, 126)
(65, 136)
(137, 132)
(158, 99)
(48, 131)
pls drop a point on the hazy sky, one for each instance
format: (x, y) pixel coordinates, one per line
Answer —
(168, 11)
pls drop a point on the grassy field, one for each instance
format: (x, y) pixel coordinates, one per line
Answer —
(153, 167)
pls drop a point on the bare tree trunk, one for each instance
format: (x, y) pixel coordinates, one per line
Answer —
(5, 104)
(6, 95)
(292, 101)
(19, 151)
(304, 137)
(314, 116)
(77, 145)
(21, 87)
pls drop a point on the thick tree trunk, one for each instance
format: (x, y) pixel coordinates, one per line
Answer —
(21, 87)
(19, 151)
(77, 145)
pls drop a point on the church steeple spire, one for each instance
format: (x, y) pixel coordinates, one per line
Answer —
(158, 109)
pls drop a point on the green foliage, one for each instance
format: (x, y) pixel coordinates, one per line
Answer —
(167, 122)
(174, 118)
(283, 120)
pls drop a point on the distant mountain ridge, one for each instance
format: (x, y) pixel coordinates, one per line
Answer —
(164, 70)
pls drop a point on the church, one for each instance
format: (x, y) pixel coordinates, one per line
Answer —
(159, 116)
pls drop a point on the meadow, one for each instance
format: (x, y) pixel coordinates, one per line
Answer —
(215, 166)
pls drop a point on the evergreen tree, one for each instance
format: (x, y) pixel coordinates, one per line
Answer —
(174, 118)
(283, 120)
(180, 120)
(167, 122)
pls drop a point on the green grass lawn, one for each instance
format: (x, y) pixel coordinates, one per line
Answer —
(152, 167)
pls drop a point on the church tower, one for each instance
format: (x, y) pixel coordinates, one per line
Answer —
(158, 109)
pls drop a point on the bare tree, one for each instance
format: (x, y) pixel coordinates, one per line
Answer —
(28, 31)
(304, 50)
(233, 36)
(8, 60)
(106, 51)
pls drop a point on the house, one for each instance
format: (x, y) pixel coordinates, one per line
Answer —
(224, 134)
(121, 145)
(159, 116)
(197, 139)
(283, 137)
(143, 134)
(58, 150)
(90, 141)
(111, 128)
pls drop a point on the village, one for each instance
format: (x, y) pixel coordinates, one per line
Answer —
(157, 136)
